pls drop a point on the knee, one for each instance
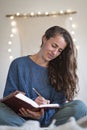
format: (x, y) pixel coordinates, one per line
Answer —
(79, 103)
(79, 108)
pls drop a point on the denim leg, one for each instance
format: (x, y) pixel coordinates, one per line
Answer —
(9, 117)
(76, 109)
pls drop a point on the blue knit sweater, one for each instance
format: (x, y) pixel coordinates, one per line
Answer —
(23, 75)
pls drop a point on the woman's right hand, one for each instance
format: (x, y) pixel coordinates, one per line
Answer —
(41, 100)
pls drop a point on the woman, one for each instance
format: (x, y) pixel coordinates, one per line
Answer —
(52, 72)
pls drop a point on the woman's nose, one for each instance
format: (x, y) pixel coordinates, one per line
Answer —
(55, 51)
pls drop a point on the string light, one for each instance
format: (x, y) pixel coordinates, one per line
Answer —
(38, 14)
(73, 33)
(11, 35)
(11, 57)
(31, 14)
(11, 17)
(9, 50)
(72, 29)
(18, 14)
(70, 18)
(9, 42)
(13, 32)
(61, 12)
(13, 23)
(73, 25)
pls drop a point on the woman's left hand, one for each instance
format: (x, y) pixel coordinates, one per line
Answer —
(31, 114)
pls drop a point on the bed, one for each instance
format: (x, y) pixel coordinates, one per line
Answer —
(34, 125)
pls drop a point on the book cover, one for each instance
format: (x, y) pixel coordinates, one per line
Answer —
(18, 100)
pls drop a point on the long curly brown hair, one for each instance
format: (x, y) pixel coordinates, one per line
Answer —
(62, 70)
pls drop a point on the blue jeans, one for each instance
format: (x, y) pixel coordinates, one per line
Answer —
(75, 109)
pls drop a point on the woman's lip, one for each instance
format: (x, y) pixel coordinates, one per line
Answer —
(50, 56)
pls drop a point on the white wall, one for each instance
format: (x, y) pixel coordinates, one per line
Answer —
(31, 31)
(26, 6)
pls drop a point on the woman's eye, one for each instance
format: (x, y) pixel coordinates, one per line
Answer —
(60, 50)
(53, 45)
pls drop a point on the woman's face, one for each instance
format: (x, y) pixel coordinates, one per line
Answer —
(52, 47)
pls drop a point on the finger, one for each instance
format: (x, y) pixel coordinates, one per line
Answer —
(23, 111)
(42, 111)
(41, 98)
(35, 115)
(48, 101)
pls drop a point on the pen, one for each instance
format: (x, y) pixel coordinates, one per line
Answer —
(47, 101)
(37, 92)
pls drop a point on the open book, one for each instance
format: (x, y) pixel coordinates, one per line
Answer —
(18, 100)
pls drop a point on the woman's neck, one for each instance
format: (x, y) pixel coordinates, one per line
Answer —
(38, 58)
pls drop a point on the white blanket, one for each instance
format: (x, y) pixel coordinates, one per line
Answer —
(34, 125)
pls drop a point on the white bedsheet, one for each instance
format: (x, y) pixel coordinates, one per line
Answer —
(34, 125)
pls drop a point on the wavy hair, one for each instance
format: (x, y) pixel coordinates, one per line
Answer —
(62, 70)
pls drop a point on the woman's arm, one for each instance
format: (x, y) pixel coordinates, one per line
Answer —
(12, 79)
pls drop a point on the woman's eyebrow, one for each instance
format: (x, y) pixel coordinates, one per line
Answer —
(58, 46)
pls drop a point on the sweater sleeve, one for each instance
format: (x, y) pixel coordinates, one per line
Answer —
(12, 79)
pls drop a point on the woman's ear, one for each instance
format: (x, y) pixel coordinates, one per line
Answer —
(44, 39)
